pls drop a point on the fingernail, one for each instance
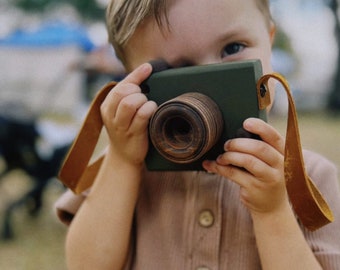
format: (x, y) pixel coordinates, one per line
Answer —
(248, 124)
(219, 158)
(226, 145)
(206, 163)
(146, 67)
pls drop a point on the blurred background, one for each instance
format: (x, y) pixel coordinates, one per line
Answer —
(54, 56)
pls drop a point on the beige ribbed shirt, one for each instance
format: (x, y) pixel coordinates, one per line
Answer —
(194, 220)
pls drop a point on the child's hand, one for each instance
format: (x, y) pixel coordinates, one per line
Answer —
(257, 166)
(126, 113)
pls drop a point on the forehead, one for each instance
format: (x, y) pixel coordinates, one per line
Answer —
(206, 15)
(195, 26)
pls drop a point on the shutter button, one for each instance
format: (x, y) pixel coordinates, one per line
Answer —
(206, 218)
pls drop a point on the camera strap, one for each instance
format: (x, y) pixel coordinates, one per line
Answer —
(307, 201)
(78, 174)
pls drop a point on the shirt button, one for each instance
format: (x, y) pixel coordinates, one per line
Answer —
(202, 268)
(206, 219)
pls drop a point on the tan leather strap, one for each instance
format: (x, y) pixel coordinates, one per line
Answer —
(76, 173)
(308, 203)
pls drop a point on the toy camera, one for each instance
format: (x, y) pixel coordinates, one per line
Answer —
(200, 108)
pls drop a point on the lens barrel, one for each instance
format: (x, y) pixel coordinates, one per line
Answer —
(185, 128)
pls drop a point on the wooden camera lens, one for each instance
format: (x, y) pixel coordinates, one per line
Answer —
(183, 129)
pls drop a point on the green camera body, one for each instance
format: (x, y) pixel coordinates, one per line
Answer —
(231, 86)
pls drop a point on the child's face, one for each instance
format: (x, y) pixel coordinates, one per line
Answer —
(204, 32)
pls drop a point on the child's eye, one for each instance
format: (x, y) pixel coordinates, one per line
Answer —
(232, 48)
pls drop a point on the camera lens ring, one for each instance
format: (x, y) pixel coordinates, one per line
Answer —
(183, 129)
(176, 146)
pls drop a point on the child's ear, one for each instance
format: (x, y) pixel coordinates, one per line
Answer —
(272, 32)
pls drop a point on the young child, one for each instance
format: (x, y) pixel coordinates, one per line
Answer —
(229, 218)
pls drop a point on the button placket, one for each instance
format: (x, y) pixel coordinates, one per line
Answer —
(207, 228)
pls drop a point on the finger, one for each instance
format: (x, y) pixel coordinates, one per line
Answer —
(143, 115)
(127, 110)
(129, 85)
(233, 173)
(253, 165)
(259, 149)
(138, 75)
(267, 133)
(110, 105)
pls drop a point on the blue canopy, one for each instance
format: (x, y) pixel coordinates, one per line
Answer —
(53, 34)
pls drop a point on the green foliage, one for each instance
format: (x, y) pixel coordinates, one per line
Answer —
(87, 8)
(282, 41)
(32, 5)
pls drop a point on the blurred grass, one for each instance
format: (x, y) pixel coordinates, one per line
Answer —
(39, 242)
(319, 132)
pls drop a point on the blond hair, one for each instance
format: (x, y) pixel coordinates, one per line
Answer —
(124, 16)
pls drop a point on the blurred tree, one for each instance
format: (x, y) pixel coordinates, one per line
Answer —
(334, 97)
(89, 9)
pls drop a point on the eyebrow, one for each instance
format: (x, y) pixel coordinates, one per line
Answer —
(234, 33)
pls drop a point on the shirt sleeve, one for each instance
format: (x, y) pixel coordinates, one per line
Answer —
(325, 242)
(67, 206)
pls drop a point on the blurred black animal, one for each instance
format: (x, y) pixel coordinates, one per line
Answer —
(18, 140)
